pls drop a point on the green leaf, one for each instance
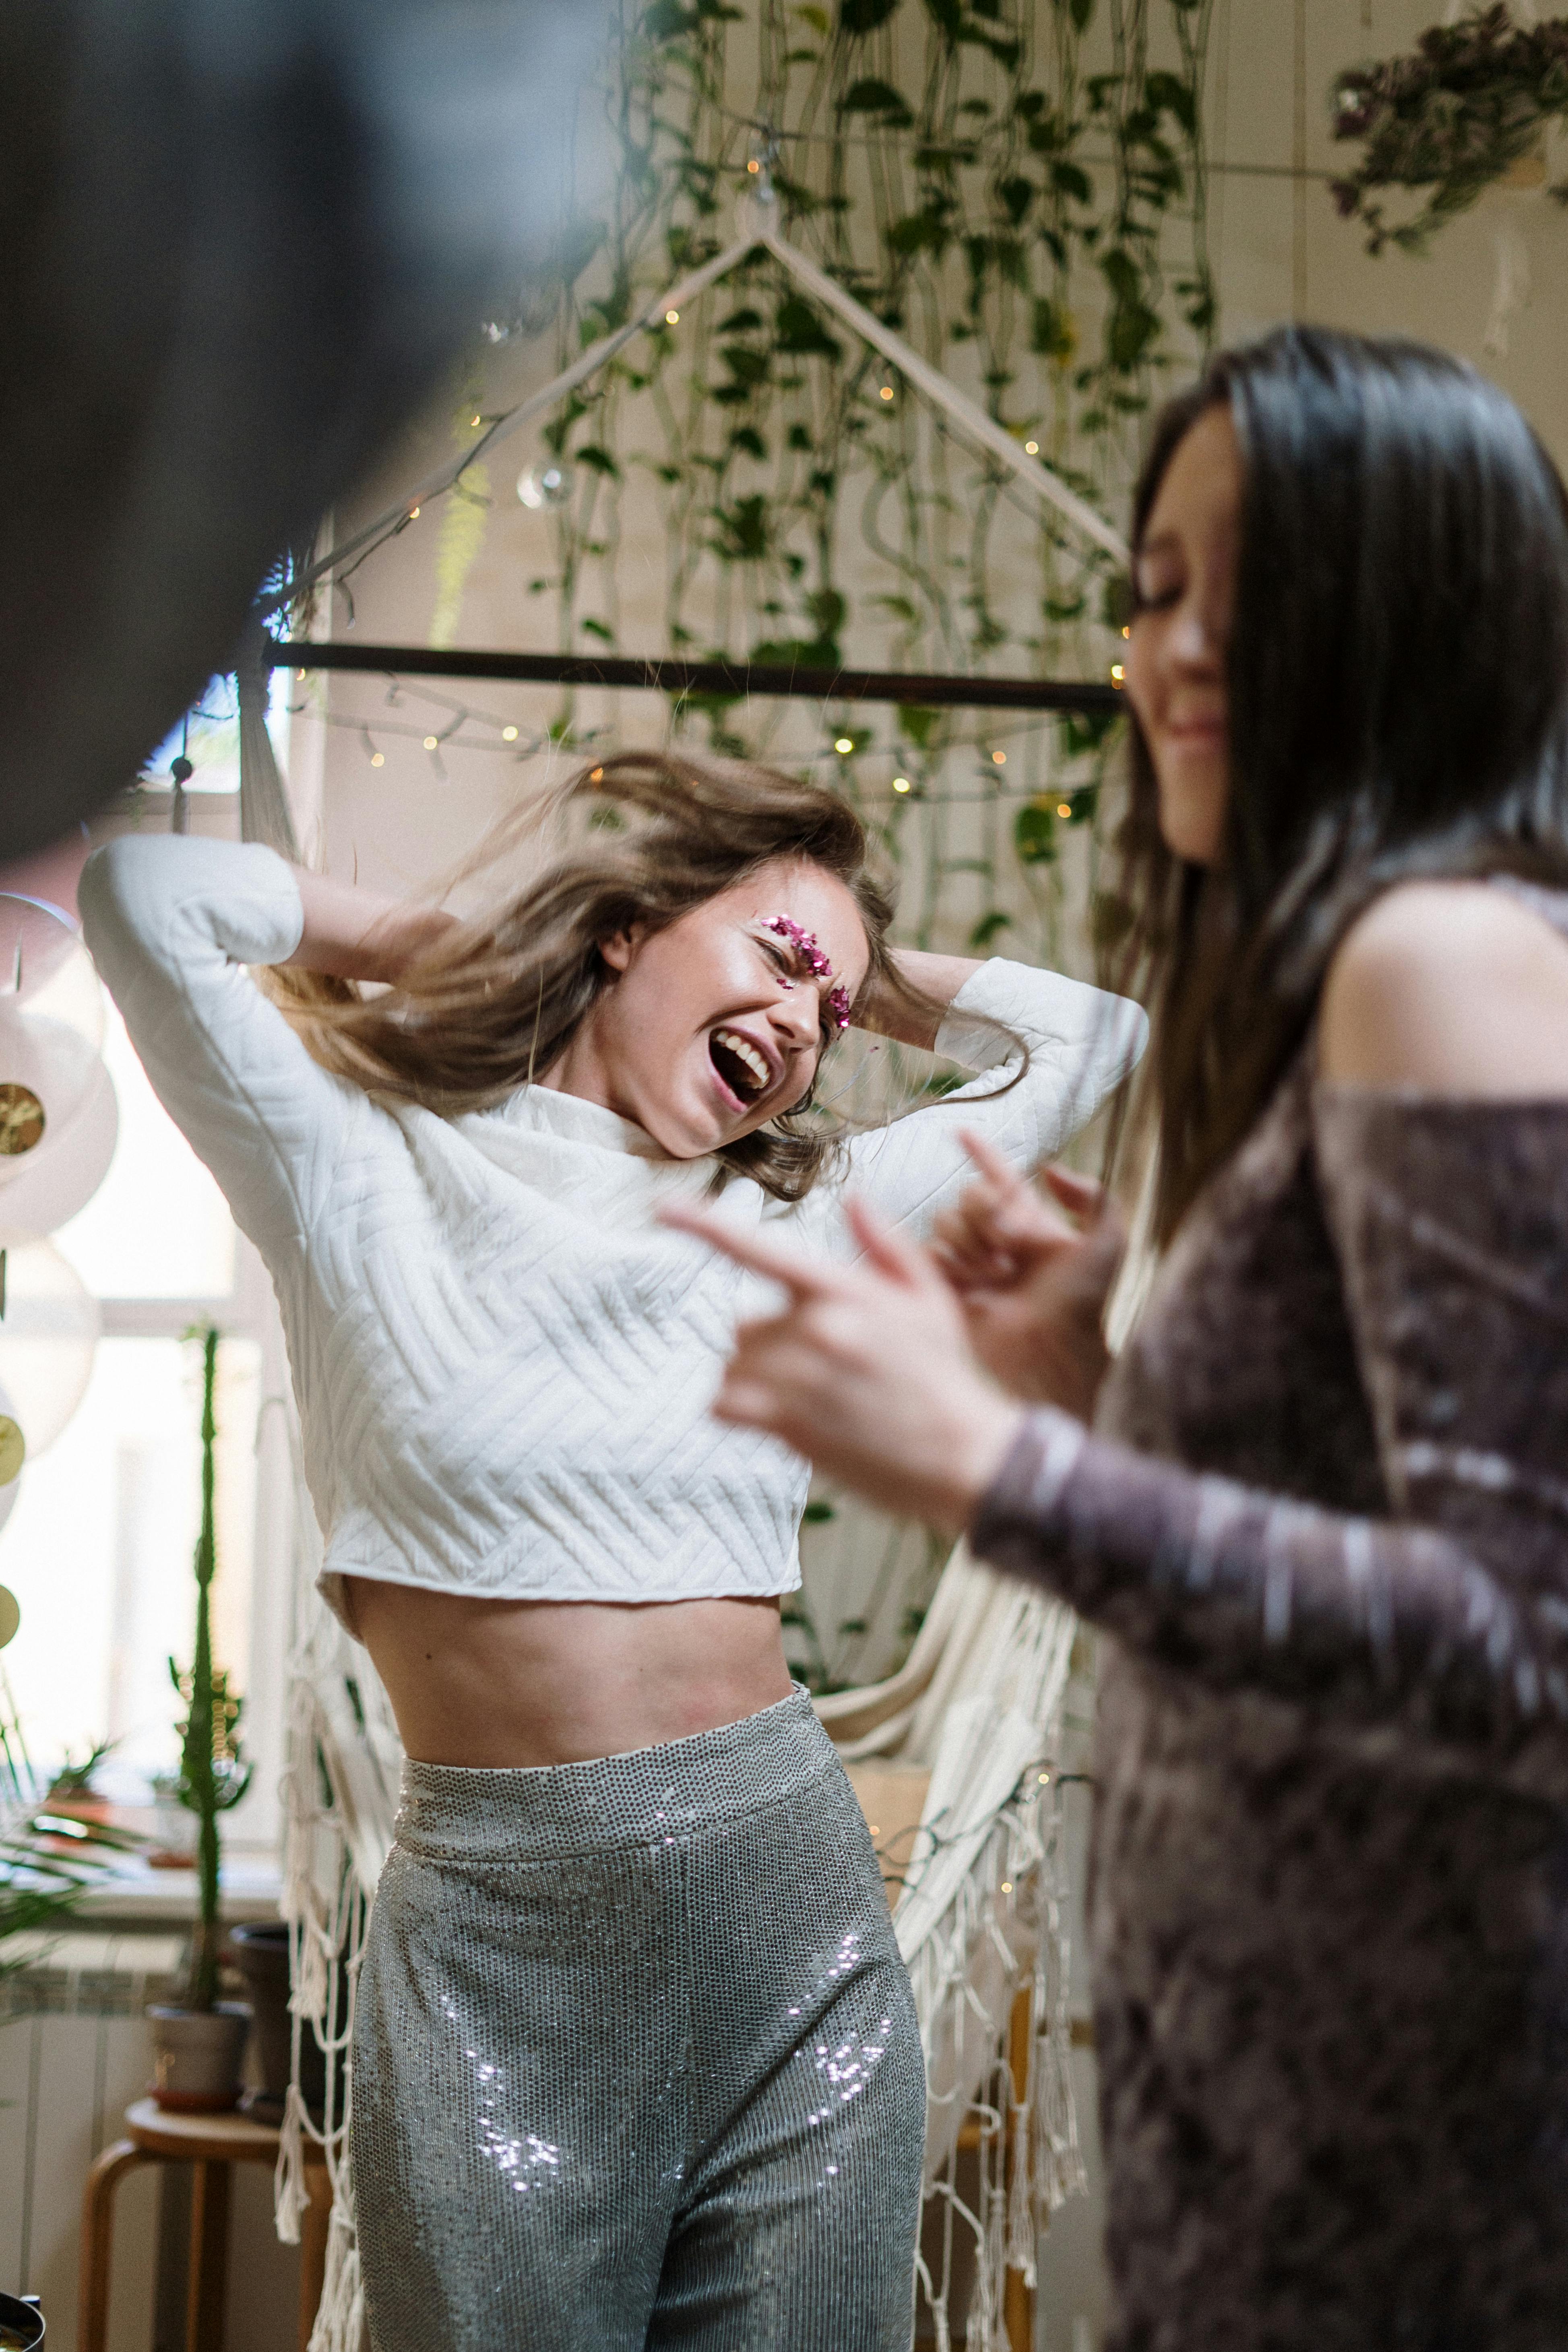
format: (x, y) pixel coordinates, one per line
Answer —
(747, 366)
(598, 461)
(917, 726)
(1072, 181)
(667, 20)
(1080, 12)
(744, 322)
(924, 232)
(827, 608)
(1121, 274)
(858, 17)
(1052, 332)
(745, 438)
(598, 629)
(873, 96)
(1035, 834)
(817, 1513)
(947, 15)
(1086, 730)
(1168, 94)
(1017, 195)
(990, 927)
(1129, 331)
(798, 328)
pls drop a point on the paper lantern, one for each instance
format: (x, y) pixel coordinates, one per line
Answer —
(45, 967)
(50, 1184)
(49, 1336)
(48, 1074)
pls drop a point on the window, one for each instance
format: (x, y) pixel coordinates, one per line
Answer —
(98, 1547)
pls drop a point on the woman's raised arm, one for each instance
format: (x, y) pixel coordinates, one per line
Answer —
(172, 923)
(1080, 1043)
(354, 934)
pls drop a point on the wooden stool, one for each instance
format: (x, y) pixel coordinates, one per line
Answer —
(210, 2144)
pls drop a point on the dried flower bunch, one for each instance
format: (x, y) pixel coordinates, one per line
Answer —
(1453, 117)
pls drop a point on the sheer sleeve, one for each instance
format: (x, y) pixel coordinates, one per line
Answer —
(1445, 1624)
(171, 923)
(1081, 1043)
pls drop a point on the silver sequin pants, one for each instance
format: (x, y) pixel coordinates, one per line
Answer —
(636, 2061)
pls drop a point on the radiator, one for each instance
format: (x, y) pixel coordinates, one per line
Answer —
(75, 2051)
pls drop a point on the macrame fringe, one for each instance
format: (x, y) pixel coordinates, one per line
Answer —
(339, 2316)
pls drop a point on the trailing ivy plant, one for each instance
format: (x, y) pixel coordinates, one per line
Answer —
(1017, 187)
(1449, 120)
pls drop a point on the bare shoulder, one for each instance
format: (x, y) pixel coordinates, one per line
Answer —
(1452, 988)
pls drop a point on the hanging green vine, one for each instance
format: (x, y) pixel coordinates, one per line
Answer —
(1019, 192)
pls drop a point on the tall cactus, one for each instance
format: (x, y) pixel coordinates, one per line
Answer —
(212, 1777)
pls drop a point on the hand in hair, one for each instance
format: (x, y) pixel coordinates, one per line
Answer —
(1033, 1282)
(354, 934)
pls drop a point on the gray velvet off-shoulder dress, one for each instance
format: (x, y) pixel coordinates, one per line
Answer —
(1323, 1520)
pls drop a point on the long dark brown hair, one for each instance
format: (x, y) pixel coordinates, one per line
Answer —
(641, 838)
(1398, 695)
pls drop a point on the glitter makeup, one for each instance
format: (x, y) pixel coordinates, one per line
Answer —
(804, 942)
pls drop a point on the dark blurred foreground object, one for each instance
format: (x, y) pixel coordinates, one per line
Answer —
(238, 241)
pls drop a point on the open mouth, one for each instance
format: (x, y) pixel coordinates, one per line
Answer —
(743, 1071)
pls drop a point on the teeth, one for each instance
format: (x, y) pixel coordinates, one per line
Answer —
(746, 1052)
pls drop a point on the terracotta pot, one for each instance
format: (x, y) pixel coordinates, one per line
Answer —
(21, 2323)
(197, 2055)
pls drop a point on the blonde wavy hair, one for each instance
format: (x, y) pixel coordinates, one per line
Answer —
(640, 838)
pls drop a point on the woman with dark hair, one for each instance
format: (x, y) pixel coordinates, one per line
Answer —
(1324, 1516)
(635, 2056)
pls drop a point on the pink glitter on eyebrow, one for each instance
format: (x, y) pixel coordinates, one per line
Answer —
(805, 944)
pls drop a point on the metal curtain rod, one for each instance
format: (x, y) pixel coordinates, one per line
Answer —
(919, 689)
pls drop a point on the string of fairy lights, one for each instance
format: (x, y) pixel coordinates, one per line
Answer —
(455, 723)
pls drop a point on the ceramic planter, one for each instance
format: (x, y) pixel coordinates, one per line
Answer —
(197, 2055)
(260, 1953)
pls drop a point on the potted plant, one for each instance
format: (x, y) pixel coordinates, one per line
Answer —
(1461, 112)
(199, 2042)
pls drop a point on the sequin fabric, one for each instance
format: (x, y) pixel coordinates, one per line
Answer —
(635, 2059)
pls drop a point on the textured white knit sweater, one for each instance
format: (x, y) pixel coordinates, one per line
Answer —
(503, 1365)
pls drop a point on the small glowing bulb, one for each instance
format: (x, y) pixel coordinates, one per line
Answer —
(508, 734)
(1126, 631)
(1000, 759)
(1064, 808)
(476, 420)
(429, 742)
(595, 775)
(1031, 448)
(1006, 1887)
(378, 759)
(875, 1828)
(412, 514)
(887, 392)
(672, 317)
(1043, 1778)
(900, 783)
(753, 166)
(844, 744)
(1117, 673)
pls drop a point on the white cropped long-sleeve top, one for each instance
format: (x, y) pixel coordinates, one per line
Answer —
(503, 1365)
